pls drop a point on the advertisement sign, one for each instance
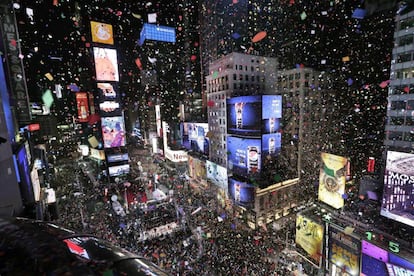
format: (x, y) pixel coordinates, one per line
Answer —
(82, 106)
(118, 157)
(380, 262)
(113, 131)
(108, 91)
(398, 196)
(217, 174)
(194, 137)
(244, 155)
(110, 108)
(23, 168)
(196, 168)
(156, 32)
(309, 236)
(271, 144)
(344, 251)
(244, 115)
(106, 64)
(271, 113)
(175, 155)
(102, 33)
(118, 170)
(332, 179)
(242, 193)
(158, 119)
(97, 154)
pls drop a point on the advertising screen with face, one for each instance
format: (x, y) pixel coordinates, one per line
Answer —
(271, 144)
(113, 131)
(271, 113)
(242, 193)
(244, 115)
(244, 155)
(106, 64)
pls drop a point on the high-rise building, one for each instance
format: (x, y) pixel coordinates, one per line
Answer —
(235, 74)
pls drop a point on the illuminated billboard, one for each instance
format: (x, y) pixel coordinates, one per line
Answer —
(196, 168)
(244, 155)
(271, 113)
(117, 157)
(380, 262)
(118, 170)
(108, 91)
(217, 174)
(332, 179)
(309, 236)
(271, 144)
(244, 115)
(344, 251)
(106, 64)
(102, 33)
(242, 193)
(82, 106)
(157, 32)
(398, 196)
(194, 137)
(113, 131)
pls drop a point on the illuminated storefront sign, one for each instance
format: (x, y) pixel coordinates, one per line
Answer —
(344, 251)
(309, 236)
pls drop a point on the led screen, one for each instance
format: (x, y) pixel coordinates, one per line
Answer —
(108, 91)
(309, 237)
(23, 168)
(118, 170)
(380, 262)
(113, 158)
(398, 196)
(194, 137)
(106, 64)
(244, 115)
(157, 32)
(113, 131)
(82, 106)
(271, 113)
(344, 251)
(102, 33)
(271, 144)
(332, 179)
(244, 155)
(217, 174)
(196, 168)
(242, 193)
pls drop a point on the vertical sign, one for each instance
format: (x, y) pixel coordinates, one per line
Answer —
(11, 46)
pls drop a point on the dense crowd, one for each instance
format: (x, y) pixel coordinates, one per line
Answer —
(208, 241)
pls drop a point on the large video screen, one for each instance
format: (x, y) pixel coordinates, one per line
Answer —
(118, 170)
(309, 237)
(244, 155)
(242, 193)
(332, 177)
(157, 32)
(344, 251)
(196, 168)
(380, 262)
(106, 64)
(398, 196)
(23, 169)
(113, 131)
(194, 137)
(82, 106)
(271, 113)
(217, 174)
(271, 144)
(244, 115)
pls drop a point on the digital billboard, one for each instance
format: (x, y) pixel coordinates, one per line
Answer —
(82, 106)
(117, 157)
(271, 113)
(102, 33)
(398, 196)
(217, 174)
(156, 32)
(196, 168)
(380, 262)
(113, 131)
(309, 236)
(244, 115)
(244, 155)
(110, 108)
(332, 179)
(344, 251)
(194, 137)
(271, 144)
(23, 170)
(106, 64)
(242, 193)
(118, 170)
(108, 91)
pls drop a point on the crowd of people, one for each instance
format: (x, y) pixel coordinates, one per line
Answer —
(207, 240)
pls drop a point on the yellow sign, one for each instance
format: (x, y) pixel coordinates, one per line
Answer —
(309, 236)
(332, 180)
(102, 33)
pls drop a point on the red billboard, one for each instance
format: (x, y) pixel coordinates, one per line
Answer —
(82, 106)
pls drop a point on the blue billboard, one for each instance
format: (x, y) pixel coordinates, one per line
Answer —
(271, 144)
(156, 32)
(244, 115)
(271, 113)
(244, 155)
(242, 193)
(193, 137)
